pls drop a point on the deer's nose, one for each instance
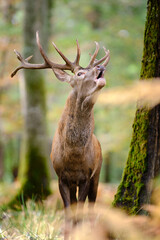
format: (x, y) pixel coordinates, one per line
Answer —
(100, 68)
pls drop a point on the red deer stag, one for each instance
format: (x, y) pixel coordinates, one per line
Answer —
(76, 152)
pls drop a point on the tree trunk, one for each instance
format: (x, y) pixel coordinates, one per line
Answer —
(1, 159)
(143, 162)
(33, 170)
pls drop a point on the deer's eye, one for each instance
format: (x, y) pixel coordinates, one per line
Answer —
(80, 73)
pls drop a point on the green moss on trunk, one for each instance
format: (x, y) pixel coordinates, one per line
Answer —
(134, 190)
(130, 187)
(36, 178)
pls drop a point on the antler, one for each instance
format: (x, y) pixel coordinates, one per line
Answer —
(72, 66)
(94, 62)
(47, 63)
(26, 65)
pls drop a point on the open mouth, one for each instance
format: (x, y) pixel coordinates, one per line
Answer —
(101, 82)
(101, 74)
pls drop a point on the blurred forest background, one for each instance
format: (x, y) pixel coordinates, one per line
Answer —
(119, 26)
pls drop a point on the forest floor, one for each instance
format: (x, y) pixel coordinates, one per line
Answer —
(37, 221)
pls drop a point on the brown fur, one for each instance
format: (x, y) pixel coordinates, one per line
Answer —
(76, 152)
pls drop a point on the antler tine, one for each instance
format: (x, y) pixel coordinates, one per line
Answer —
(28, 58)
(20, 67)
(69, 63)
(67, 66)
(26, 65)
(106, 57)
(23, 61)
(46, 59)
(94, 55)
(78, 54)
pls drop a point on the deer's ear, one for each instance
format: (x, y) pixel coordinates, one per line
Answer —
(62, 75)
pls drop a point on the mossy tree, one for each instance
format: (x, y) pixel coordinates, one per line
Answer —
(33, 169)
(143, 163)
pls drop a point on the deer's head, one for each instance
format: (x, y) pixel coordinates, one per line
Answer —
(86, 82)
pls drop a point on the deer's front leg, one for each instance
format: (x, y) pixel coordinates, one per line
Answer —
(83, 191)
(65, 194)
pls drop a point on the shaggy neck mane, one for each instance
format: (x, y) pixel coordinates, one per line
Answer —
(77, 124)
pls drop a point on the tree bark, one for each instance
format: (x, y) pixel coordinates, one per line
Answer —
(33, 170)
(1, 159)
(143, 162)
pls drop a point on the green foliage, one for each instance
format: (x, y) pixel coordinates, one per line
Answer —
(11, 19)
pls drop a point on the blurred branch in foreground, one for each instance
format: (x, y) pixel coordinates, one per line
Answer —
(146, 92)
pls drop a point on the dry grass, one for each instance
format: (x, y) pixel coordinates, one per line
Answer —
(33, 222)
(46, 222)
